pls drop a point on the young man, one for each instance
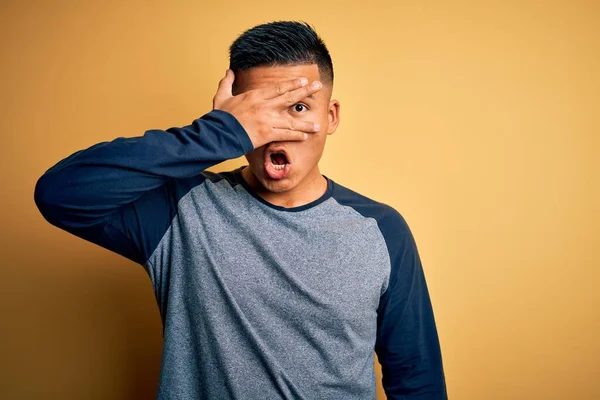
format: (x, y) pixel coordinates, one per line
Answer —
(273, 281)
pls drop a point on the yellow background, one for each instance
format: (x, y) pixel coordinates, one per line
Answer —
(478, 121)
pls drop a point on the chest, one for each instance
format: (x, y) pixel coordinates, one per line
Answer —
(332, 265)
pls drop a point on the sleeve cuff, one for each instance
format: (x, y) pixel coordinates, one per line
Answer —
(236, 128)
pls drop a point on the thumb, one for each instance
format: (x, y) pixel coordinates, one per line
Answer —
(224, 89)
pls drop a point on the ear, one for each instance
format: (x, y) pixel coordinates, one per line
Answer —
(333, 116)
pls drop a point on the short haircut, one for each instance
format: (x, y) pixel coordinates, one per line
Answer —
(280, 43)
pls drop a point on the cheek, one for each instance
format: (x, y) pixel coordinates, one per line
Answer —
(315, 114)
(255, 155)
(313, 147)
(323, 121)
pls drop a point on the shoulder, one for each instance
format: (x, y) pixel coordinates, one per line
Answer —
(398, 237)
(390, 220)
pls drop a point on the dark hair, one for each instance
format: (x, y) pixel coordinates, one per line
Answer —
(281, 43)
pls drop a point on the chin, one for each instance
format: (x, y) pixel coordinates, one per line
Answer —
(277, 186)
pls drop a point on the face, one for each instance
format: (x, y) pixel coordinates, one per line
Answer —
(304, 155)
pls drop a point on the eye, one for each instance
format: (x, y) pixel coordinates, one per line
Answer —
(298, 107)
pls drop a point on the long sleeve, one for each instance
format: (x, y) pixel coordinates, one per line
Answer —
(120, 195)
(407, 344)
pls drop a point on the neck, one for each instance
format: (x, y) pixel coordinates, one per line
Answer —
(312, 187)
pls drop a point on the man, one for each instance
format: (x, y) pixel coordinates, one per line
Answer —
(273, 281)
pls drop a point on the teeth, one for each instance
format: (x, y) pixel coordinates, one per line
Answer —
(282, 166)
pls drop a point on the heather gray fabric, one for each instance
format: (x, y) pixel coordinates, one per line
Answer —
(260, 303)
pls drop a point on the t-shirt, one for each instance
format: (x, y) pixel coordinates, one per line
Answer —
(257, 301)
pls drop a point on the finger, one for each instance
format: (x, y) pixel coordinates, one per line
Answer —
(296, 125)
(279, 88)
(290, 98)
(224, 89)
(283, 135)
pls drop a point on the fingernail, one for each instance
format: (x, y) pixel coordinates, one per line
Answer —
(317, 127)
(303, 81)
(316, 84)
(305, 136)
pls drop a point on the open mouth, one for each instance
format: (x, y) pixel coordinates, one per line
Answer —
(279, 160)
(277, 163)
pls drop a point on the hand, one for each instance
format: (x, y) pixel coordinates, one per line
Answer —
(259, 111)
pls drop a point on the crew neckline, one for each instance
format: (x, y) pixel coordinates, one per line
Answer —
(240, 179)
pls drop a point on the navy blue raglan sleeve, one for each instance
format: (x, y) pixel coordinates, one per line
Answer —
(120, 194)
(407, 343)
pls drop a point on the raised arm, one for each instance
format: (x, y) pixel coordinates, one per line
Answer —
(407, 344)
(85, 191)
(119, 194)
